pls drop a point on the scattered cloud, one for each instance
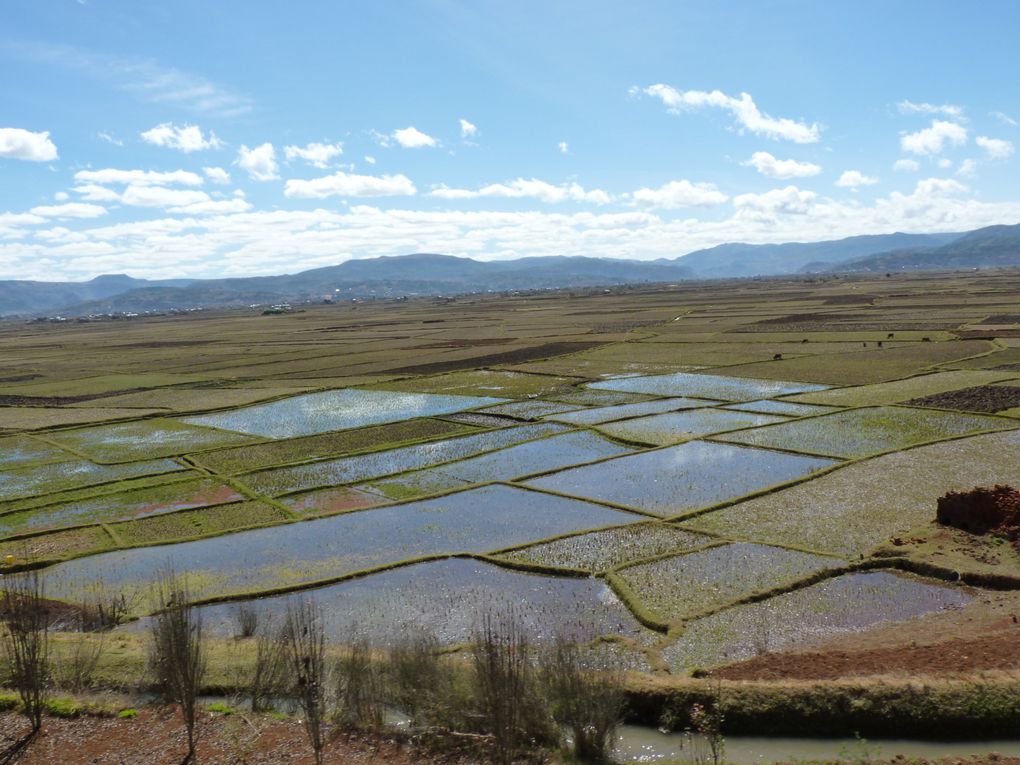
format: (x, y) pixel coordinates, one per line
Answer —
(945, 163)
(412, 138)
(527, 188)
(932, 140)
(677, 194)
(109, 138)
(854, 179)
(949, 110)
(768, 165)
(69, 210)
(564, 147)
(1004, 118)
(315, 154)
(260, 162)
(786, 201)
(61, 196)
(139, 177)
(743, 109)
(186, 138)
(968, 168)
(369, 159)
(216, 174)
(342, 184)
(906, 165)
(995, 148)
(17, 143)
(467, 129)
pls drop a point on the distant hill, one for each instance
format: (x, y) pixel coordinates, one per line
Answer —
(991, 247)
(732, 260)
(17, 297)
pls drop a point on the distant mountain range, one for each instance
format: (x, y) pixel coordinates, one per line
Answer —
(429, 274)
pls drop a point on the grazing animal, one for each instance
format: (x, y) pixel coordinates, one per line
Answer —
(890, 336)
(777, 357)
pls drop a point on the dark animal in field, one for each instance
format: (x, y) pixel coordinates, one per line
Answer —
(890, 336)
(777, 357)
(879, 343)
(925, 339)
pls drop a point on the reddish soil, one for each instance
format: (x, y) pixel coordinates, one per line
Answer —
(981, 398)
(982, 510)
(156, 737)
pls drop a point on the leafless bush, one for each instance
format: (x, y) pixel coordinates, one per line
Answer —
(305, 645)
(247, 618)
(176, 656)
(76, 666)
(419, 686)
(100, 609)
(359, 687)
(589, 705)
(26, 642)
(504, 682)
(269, 671)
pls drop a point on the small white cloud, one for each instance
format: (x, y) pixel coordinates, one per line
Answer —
(790, 200)
(350, 185)
(854, 179)
(968, 168)
(186, 138)
(61, 196)
(160, 196)
(677, 194)
(995, 148)
(259, 163)
(370, 159)
(743, 108)
(316, 154)
(467, 129)
(564, 147)
(214, 206)
(102, 135)
(906, 165)
(139, 177)
(768, 165)
(16, 143)
(945, 163)
(412, 138)
(216, 174)
(93, 192)
(69, 210)
(949, 110)
(523, 188)
(932, 140)
(1004, 118)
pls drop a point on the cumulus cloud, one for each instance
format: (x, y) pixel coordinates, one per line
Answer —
(768, 165)
(788, 201)
(743, 109)
(259, 163)
(854, 179)
(342, 184)
(214, 206)
(412, 138)
(949, 110)
(316, 154)
(139, 177)
(69, 210)
(161, 196)
(216, 174)
(16, 143)
(467, 129)
(564, 147)
(932, 140)
(186, 138)
(677, 194)
(906, 165)
(968, 168)
(995, 148)
(527, 188)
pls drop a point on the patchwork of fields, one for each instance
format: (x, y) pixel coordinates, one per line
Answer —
(685, 471)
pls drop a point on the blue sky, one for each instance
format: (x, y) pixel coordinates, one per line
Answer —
(208, 138)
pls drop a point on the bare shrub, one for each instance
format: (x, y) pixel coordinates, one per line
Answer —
(101, 609)
(305, 646)
(176, 656)
(359, 687)
(247, 618)
(589, 705)
(419, 685)
(26, 642)
(269, 670)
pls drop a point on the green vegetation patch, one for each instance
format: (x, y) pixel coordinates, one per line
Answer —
(673, 427)
(847, 603)
(89, 493)
(22, 451)
(686, 585)
(57, 545)
(196, 399)
(190, 524)
(129, 441)
(485, 382)
(73, 474)
(124, 506)
(600, 551)
(853, 509)
(902, 390)
(39, 417)
(859, 432)
(91, 386)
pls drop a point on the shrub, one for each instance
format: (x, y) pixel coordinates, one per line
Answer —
(305, 646)
(26, 642)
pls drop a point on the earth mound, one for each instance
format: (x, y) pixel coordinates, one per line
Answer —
(982, 510)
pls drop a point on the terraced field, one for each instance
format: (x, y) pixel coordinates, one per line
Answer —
(655, 480)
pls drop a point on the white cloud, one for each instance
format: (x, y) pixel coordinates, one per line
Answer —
(316, 154)
(906, 165)
(682, 193)
(412, 138)
(564, 147)
(16, 143)
(854, 179)
(350, 185)
(370, 159)
(467, 129)
(1004, 118)
(93, 192)
(216, 174)
(527, 189)
(744, 111)
(768, 165)
(61, 196)
(160, 196)
(945, 163)
(186, 138)
(139, 177)
(259, 163)
(949, 110)
(995, 148)
(69, 210)
(968, 168)
(102, 135)
(214, 206)
(932, 140)
(789, 201)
